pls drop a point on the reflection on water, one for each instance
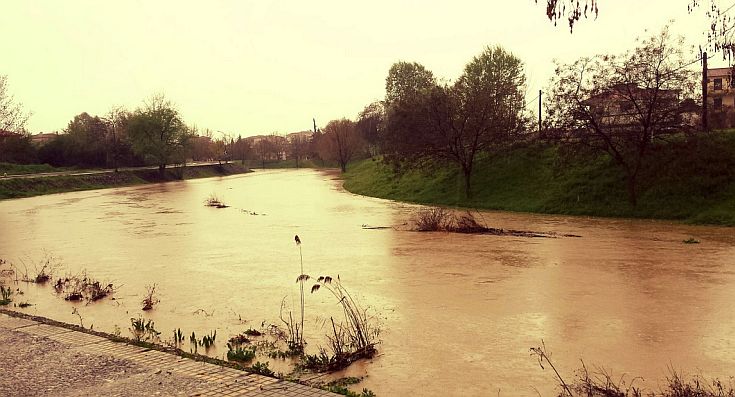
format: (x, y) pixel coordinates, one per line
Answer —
(459, 312)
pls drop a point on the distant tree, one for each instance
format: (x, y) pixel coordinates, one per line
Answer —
(406, 80)
(298, 147)
(483, 111)
(202, 147)
(158, 133)
(116, 122)
(17, 149)
(242, 149)
(370, 125)
(87, 141)
(12, 116)
(340, 142)
(621, 106)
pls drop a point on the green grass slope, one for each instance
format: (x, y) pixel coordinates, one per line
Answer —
(691, 180)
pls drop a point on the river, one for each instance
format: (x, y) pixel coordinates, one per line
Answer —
(458, 312)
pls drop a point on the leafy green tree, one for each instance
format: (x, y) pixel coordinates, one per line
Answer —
(158, 133)
(482, 112)
(87, 141)
(370, 125)
(406, 80)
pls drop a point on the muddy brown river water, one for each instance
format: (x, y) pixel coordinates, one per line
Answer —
(458, 312)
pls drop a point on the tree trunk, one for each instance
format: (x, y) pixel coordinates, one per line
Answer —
(632, 191)
(343, 166)
(161, 169)
(467, 172)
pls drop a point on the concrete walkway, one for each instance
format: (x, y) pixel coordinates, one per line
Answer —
(44, 360)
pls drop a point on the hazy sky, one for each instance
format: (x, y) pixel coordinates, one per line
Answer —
(252, 67)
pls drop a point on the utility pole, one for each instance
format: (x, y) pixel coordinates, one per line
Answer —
(705, 124)
(539, 111)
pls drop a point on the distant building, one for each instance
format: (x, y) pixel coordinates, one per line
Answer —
(616, 106)
(8, 135)
(721, 97)
(41, 139)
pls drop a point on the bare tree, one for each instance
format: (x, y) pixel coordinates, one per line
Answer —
(340, 142)
(12, 116)
(621, 105)
(298, 146)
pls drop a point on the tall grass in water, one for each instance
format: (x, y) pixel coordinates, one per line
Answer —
(351, 340)
(601, 383)
(301, 279)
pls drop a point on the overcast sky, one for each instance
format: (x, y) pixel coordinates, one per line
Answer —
(252, 67)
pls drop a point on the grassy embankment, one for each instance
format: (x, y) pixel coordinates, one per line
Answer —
(17, 169)
(693, 182)
(27, 187)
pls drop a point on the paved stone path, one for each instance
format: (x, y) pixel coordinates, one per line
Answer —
(43, 360)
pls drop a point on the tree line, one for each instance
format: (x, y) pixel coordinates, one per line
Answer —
(616, 107)
(620, 107)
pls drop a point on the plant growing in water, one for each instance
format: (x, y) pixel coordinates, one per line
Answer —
(178, 337)
(208, 340)
(5, 295)
(143, 330)
(150, 299)
(349, 341)
(299, 337)
(237, 353)
(214, 201)
(261, 369)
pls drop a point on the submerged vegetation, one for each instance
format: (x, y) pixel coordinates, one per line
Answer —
(601, 383)
(437, 219)
(150, 299)
(82, 287)
(214, 201)
(5, 295)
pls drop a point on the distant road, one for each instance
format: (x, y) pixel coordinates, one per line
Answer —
(93, 172)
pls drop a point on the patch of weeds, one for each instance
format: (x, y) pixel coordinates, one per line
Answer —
(82, 287)
(351, 340)
(262, 369)
(241, 339)
(252, 332)
(208, 340)
(691, 240)
(178, 337)
(42, 272)
(5, 295)
(339, 386)
(432, 219)
(143, 330)
(150, 299)
(214, 201)
(237, 353)
(438, 219)
(23, 305)
(601, 383)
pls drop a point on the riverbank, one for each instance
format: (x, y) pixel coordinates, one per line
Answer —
(36, 186)
(694, 183)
